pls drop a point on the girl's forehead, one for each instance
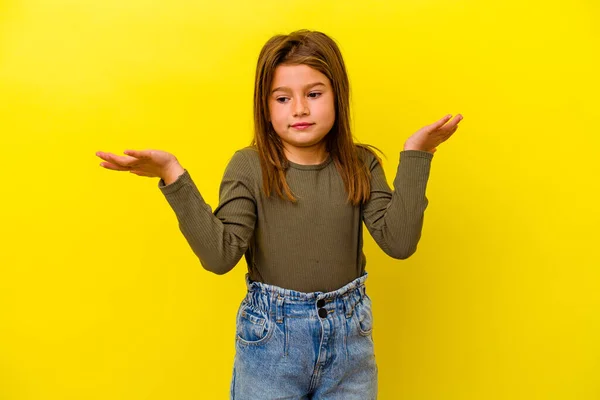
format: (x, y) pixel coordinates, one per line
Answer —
(292, 76)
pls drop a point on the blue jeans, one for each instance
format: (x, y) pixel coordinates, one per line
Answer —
(297, 345)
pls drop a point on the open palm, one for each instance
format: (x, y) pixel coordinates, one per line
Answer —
(151, 163)
(429, 137)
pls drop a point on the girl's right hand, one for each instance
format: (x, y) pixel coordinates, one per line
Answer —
(151, 163)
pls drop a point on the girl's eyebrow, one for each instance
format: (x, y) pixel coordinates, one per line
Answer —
(309, 86)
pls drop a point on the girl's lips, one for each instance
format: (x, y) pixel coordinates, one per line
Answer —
(302, 126)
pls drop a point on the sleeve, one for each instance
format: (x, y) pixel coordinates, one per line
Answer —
(219, 240)
(395, 218)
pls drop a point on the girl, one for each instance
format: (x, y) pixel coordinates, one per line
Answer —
(293, 203)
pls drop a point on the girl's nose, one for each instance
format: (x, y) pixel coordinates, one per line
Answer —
(301, 108)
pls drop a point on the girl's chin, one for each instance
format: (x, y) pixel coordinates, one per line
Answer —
(305, 144)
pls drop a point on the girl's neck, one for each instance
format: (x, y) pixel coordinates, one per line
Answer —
(306, 155)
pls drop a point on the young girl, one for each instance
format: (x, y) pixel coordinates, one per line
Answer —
(293, 203)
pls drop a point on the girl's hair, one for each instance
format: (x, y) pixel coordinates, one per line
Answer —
(318, 51)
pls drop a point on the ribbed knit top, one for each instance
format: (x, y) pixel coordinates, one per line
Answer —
(314, 244)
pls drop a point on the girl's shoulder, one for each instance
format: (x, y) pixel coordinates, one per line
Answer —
(367, 154)
(249, 152)
(245, 163)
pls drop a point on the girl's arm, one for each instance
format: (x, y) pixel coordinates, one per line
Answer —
(218, 239)
(395, 218)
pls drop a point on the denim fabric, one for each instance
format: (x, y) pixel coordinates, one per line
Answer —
(297, 345)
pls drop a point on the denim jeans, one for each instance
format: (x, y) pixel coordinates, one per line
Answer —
(297, 345)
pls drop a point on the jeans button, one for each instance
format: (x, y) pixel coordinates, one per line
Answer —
(322, 312)
(320, 303)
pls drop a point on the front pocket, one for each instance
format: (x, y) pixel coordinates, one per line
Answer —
(364, 316)
(253, 326)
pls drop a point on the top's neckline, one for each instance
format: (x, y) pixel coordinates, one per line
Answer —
(311, 166)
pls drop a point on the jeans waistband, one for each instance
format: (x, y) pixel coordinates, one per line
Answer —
(291, 303)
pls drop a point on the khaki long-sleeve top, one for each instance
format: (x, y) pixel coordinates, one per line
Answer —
(314, 244)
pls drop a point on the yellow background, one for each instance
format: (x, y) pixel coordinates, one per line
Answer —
(100, 295)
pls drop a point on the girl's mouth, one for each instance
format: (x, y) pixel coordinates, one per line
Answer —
(302, 125)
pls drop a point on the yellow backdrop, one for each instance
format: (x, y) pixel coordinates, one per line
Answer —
(101, 297)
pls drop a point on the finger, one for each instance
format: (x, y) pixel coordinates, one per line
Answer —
(114, 167)
(454, 123)
(441, 122)
(447, 135)
(447, 131)
(102, 155)
(450, 130)
(456, 120)
(124, 161)
(138, 154)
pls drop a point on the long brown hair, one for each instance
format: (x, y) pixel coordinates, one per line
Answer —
(318, 51)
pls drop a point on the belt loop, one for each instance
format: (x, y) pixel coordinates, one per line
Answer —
(279, 309)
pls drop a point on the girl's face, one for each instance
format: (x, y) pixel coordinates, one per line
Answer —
(301, 106)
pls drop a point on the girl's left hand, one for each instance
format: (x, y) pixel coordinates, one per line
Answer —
(429, 137)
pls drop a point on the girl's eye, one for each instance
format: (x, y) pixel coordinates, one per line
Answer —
(314, 95)
(281, 99)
